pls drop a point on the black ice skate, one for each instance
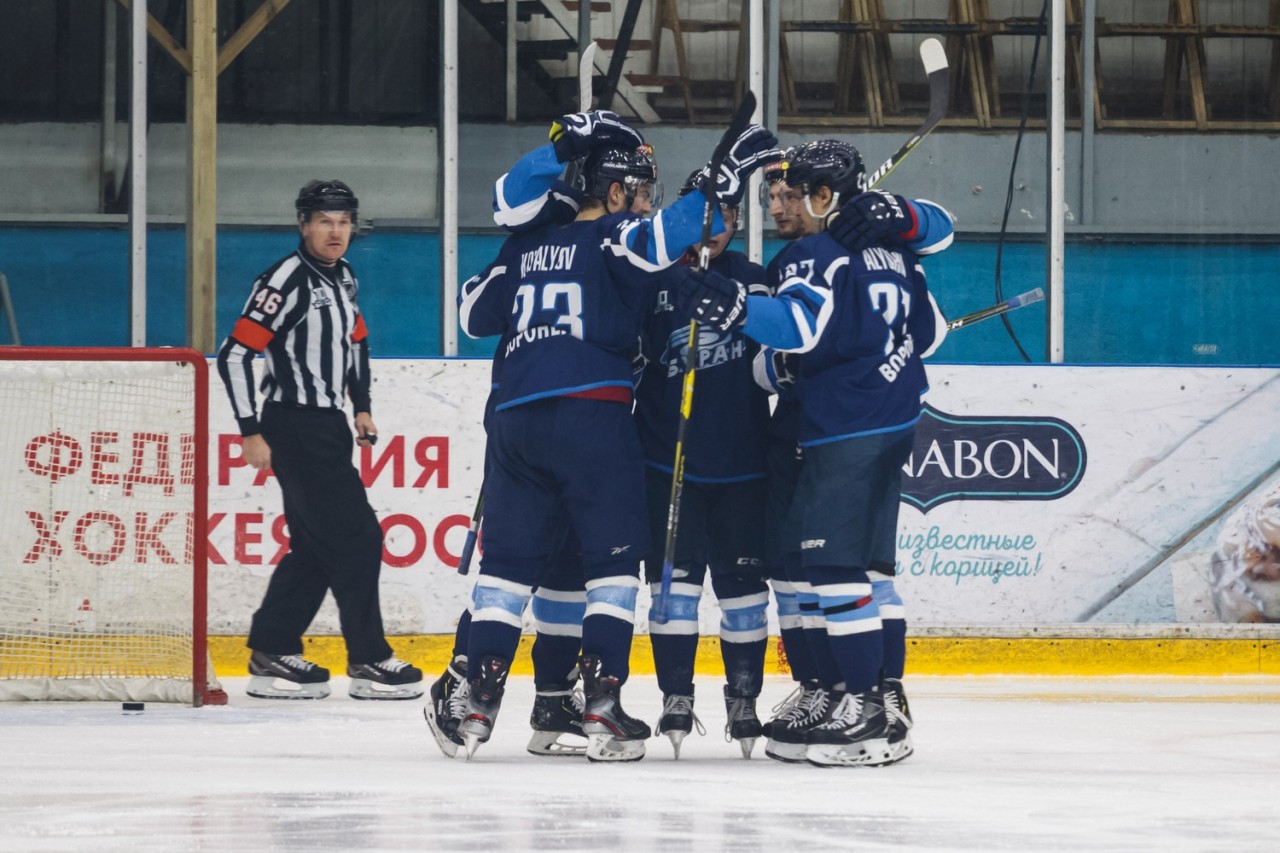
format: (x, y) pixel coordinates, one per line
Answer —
(612, 734)
(557, 721)
(899, 714)
(855, 734)
(484, 695)
(448, 706)
(741, 724)
(286, 677)
(798, 714)
(678, 719)
(388, 679)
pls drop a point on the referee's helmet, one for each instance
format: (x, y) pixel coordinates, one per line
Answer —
(325, 195)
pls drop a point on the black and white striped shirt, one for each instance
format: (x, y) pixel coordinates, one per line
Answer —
(304, 317)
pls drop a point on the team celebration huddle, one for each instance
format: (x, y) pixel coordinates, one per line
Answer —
(602, 466)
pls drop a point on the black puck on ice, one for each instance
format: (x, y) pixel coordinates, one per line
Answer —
(132, 707)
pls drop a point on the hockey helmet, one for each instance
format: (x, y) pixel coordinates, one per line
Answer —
(631, 167)
(326, 195)
(825, 163)
(772, 173)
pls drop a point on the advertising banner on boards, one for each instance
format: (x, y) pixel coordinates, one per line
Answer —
(1036, 495)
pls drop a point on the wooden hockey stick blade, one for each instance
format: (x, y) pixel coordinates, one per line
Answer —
(586, 68)
(1020, 301)
(935, 66)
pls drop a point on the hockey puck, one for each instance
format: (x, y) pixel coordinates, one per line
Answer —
(132, 707)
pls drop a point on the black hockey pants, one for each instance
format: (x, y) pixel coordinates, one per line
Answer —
(335, 542)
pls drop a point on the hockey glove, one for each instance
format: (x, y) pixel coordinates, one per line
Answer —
(719, 302)
(753, 149)
(871, 218)
(576, 134)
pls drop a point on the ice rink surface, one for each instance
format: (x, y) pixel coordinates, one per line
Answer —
(1001, 764)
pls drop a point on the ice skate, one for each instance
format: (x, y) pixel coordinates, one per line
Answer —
(557, 722)
(286, 677)
(788, 730)
(612, 734)
(741, 724)
(484, 696)
(678, 720)
(388, 679)
(899, 714)
(448, 706)
(855, 734)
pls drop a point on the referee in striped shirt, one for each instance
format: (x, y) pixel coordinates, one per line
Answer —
(303, 315)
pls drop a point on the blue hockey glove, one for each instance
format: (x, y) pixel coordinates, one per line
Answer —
(576, 134)
(752, 150)
(719, 302)
(871, 218)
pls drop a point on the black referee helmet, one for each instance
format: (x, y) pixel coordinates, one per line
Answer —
(325, 195)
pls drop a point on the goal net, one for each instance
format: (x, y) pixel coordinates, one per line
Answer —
(103, 516)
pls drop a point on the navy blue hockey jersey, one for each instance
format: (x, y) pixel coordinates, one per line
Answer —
(724, 441)
(862, 323)
(570, 299)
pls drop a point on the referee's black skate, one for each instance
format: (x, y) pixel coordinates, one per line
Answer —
(788, 732)
(612, 734)
(484, 696)
(388, 679)
(855, 733)
(448, 706)
(741, 724)
(556, 721)
(678, 719)
(899, 714)
(286, 677)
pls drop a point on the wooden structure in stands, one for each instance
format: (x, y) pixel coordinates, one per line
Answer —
(865, 89)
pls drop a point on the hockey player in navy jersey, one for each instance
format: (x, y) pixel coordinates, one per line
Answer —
(722, 509)
(862, 317)
(559, 600)
(570, 301)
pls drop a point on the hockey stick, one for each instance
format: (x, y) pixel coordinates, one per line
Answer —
(1019, 301)
(737, 124)
(586, 68)
(935, 66)
(473, 533)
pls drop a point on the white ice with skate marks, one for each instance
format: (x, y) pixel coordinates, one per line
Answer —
(1015, 764)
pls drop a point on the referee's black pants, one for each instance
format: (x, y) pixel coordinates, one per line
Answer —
(335, 541)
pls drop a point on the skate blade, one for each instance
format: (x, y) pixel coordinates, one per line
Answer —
(265, 687)
(605, 747)
(791, 753)
(447, 745)
(747, 744)
(677, 738)
(471, 742)
(900, 750)
(871, 753)
(363, 688)
(550, 744)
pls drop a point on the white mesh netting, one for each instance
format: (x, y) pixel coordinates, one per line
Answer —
(97, 525)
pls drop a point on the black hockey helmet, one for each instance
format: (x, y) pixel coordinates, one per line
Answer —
(326, 195)
(631, 167)
(693, 183)
(772, 172)
(825, 163)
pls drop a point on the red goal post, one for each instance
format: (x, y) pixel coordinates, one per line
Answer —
(103, 525)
